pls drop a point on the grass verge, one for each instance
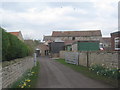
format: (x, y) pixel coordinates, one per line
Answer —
(85, 71)
(28, 79)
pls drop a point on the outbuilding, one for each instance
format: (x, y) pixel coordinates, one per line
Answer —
(55, 48)
(115, 41)
(85, 46)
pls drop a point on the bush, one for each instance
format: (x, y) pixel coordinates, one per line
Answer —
(107, 72)
(12, 47)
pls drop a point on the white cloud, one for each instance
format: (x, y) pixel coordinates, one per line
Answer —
(48, 15)
(40, 22)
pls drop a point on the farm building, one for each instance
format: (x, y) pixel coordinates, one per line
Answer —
(68, 45)
(18, 35)
(85, 46)
(115, 40)
(74, 35)
(44, 49)
(106, 43)
(55, 48)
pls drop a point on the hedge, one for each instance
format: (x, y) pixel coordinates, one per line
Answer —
(12, 47)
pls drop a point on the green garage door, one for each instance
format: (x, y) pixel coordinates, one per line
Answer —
(88, 46)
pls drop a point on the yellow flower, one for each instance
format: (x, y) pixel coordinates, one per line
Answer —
(22, 86)
(28, 80)
(33, 72)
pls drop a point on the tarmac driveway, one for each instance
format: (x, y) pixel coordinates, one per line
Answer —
(55, 75)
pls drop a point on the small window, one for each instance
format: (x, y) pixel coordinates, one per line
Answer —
(73, 38)
(117, 43)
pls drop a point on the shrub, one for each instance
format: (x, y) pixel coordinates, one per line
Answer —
(12, 47)
(107, 72)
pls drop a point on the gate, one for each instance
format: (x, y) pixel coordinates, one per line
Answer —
(72, 57)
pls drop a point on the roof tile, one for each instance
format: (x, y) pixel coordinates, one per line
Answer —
(76, 33)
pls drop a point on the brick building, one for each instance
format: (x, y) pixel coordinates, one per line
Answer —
(105, 43)
(44, 49)
(18, 34)
(74, 35)
(115, 40)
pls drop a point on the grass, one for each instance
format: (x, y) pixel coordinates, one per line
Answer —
(85, 71)
(30, 76)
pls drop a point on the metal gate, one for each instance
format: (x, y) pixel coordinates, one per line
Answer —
(72, 57)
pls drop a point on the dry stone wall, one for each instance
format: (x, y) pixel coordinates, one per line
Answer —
(62, 54)
(108, 59)
(0, 76)
(14, 71)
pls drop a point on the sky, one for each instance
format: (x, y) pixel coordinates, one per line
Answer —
(36, 18)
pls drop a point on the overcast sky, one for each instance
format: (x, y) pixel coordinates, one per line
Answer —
(35, 18)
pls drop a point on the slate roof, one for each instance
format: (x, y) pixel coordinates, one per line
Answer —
(76, 33)
(116, 33)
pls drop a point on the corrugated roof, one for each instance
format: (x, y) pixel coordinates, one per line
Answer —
(69, 42)
(76, 33)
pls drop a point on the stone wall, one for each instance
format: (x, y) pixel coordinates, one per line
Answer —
(0, 76)
(83, 59)
(46, 38)
(62, 54)
(108, 59)
(14, 71)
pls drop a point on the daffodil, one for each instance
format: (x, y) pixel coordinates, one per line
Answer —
(102, 64)
(28, 80)
(33, 72)
(98, 73)
(113, 72)
(22, 86)
(28, 85)
(105, 74)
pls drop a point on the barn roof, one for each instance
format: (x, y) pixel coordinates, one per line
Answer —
(76, 33)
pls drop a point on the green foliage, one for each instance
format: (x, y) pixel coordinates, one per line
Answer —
(107, 72)
(12, 47)
(31, 46)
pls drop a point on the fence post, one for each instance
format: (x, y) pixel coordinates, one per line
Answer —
(34, 59)
(78, 57)
(87, 60)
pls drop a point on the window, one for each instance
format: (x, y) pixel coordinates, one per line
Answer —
(117, 43)
(73, 38)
